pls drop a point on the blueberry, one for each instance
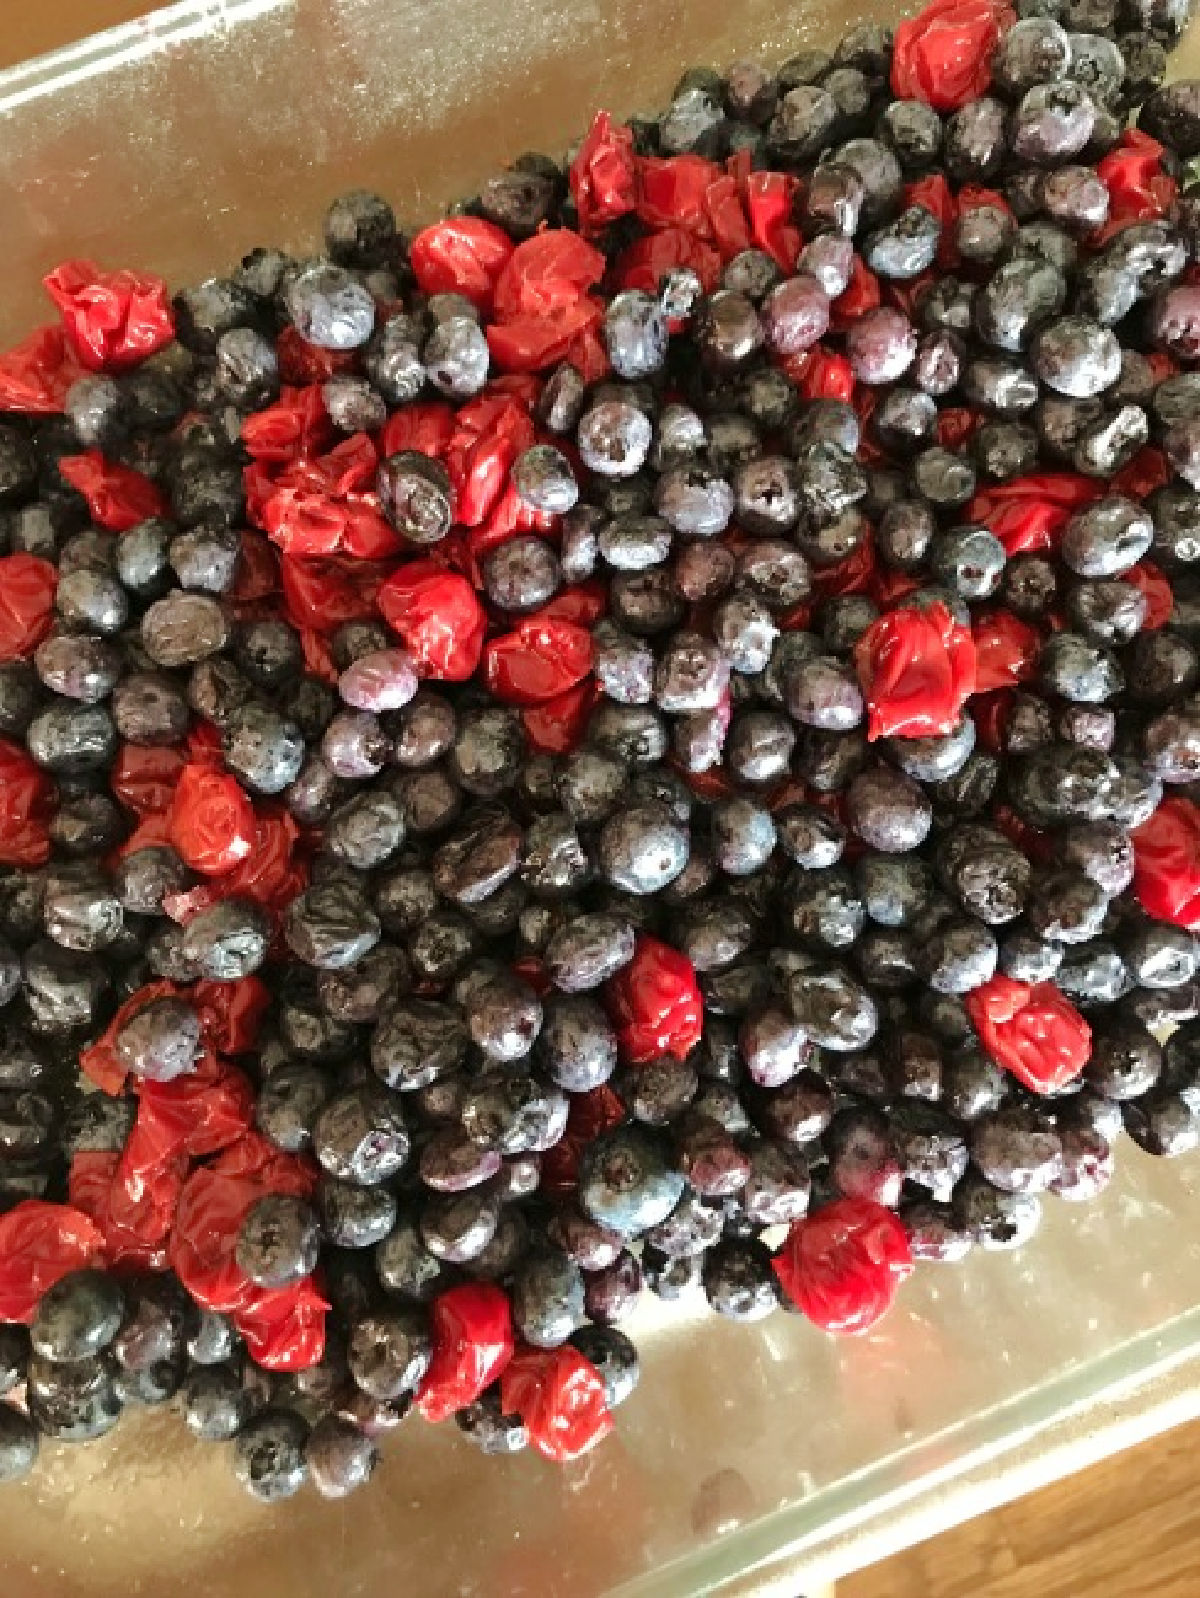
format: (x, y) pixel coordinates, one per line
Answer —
(513, 1114)
(417, 1041)
(71, 739)
(269, 1455)
(587, 951)
(888, 810)
(504, 1018)
(279, 1241)
(626, 1182)
(353, 405)
(835, 1011)
(383, 679)
(1077, 357)
(1159, 956)
(162, 1041)
(994, 1218)
(934, 1233)
(340, 1457)
(1087, 1165)
(406, 1268)
(746, 632)
(78, 667)
(78, 1317)
(216, 1405)
(1076, 669)
(913, 131)
(904, 247)
(1093, 974)
(1126, 1062)
(547, 1298)
(1052, 123)
(80, 909)
(520, 199)
(392, 360)
(360, 229)
(802, 123)
(1107, 538)
(959, 956)
(203, 313)
(490, 1429)
(487, 752)
(823, 692)
(614, 438)
(1165, 1124)
(576, 1044)
(330, 308)
(389, 1352)
(458, 1227)
(1172, 115)
(228, 942)
(795, 313)
(635, 332)
(366, 831)
(738, 1280)
(73, 1401)
(881, 346)
(63, 989)
(1016, 1150)
(360, 1136)
(456, 357)
(452, 1163)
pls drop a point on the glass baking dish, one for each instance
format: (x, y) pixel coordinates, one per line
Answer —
(751, 1460)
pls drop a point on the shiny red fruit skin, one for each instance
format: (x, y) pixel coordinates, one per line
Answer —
(211, 821)
(1166, 871)
(118, 498)
(655, 1003)
(36, 375)
(114, 320)
(540, 659)
(26, 806)
(842, 1266)
(559, 1395)
(1031, 1030)
(27, 589)
(943, 54)
(39, 1244)
(1006, 650)
(437, 615)
(917, 670)
(1027, 514)
(472, 1344)
(462, 255)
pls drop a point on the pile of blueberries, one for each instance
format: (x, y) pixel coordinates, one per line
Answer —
(749, 817)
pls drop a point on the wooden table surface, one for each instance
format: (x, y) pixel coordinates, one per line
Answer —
(1127, 1528)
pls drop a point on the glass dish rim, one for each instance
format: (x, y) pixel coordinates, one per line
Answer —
(123, 43)
(806, 1531)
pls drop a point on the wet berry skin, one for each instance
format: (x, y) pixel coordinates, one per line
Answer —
(340, 1457)
(626, 1181)
(216, 1404)
(78, 1317)
(18, 1444)
(269, 1459)
(74, 1401)
(279, 1243)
